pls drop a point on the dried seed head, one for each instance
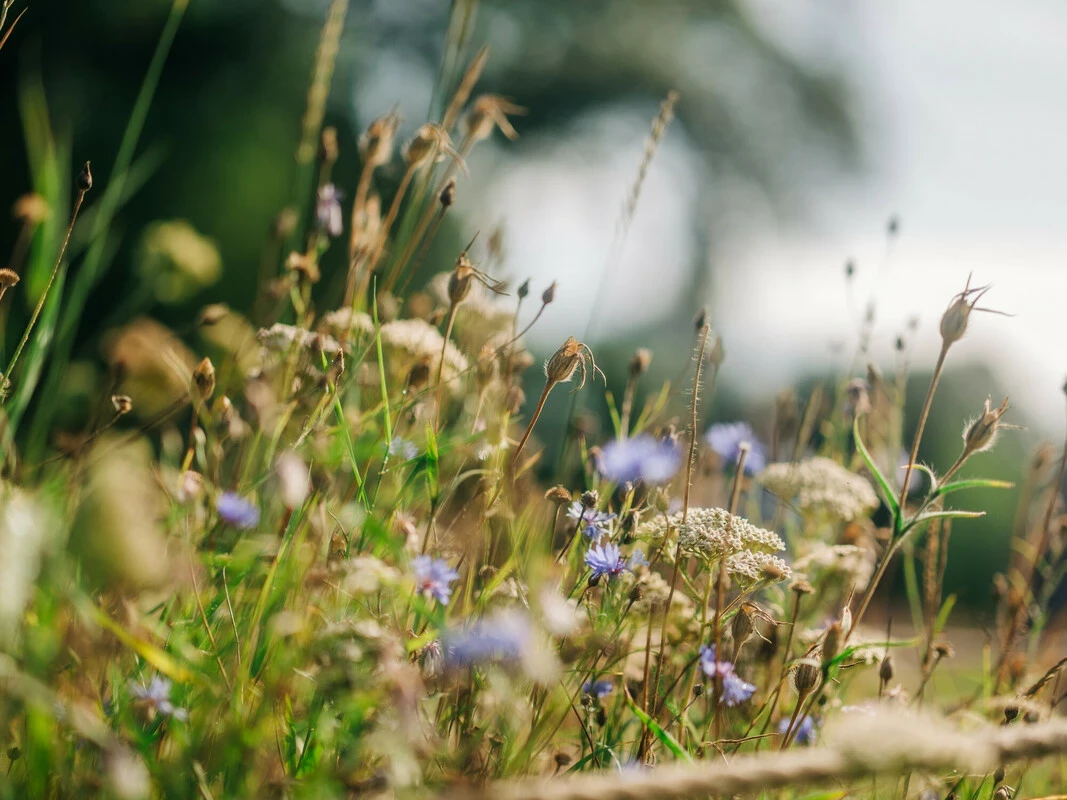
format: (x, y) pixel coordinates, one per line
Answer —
(549, 294)
(640, 361)
(459, 282)
(944, 650)
(981, 433)
(204, 378)
(1010, 713)
(558, 495)
(698, 690)
(8, 278)
(122, 403)
(805, 676)
(802, 587)
(85, 179)
(742, 626)
(487, 112)
(590, 499)
(954, 320)
(428, 145)
(885, 669)
(448, 194)
(376, 143)
(31, 208)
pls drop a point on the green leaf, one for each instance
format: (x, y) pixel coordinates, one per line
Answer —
(932, 515)
(883, 484)
(613, 412)
(942, 615)
(972, 483)
(159, 659)
(665, 738)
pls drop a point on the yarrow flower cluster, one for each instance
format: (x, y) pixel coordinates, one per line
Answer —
(596, 522)
(712, 533)
(410, 341)
(735, 690)
(434, 577)
(819, 485)
(642, 458)
(237, 511)
(727, 438)
(157, 695)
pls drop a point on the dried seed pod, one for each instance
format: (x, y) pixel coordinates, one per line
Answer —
(954, 320)
(980, 433)
(590, 499)
(122, 403)
(376, 143)
(885, 669)
(558, 495)
(805, 676)
(8, 278)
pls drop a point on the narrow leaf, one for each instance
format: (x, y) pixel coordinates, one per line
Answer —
(883, 484)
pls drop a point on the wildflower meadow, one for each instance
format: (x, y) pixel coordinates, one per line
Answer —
(324, 547)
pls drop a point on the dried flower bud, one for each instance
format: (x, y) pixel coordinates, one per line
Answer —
(558, 495)
(222, 408)
(981, 433)
(122, 403)
(561, 366)
(459, 282)
(204, 378)
(448, 194)
(549, 294)
(85, 179)
(427, 145)
(640, 361)
(944, 650)
(805, 676)
(998, 775)
(698, 690)
(524, 289)
(562, 760)
(487, 112)
(637, 592)
(885, 669)
(590, 499)
(954, 320)
(1010, 713)
(376, 143)
(742, 626)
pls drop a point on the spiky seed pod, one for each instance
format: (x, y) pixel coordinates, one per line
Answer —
(981, 433)
(558, 495)
(204, 379)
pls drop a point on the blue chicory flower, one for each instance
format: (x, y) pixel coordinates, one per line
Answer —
(735, 690)
(637, 559)
(434, 577)
(157, 695)
(804, 732)
(502, 638)
(402, 448)
(596, 522)
(726, 438)
(599, 689)
(642, 458)
(237, 511)
(328, 210)
(605, 560)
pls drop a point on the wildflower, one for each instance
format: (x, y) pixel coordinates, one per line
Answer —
(409, 342)
(237, 511)
(403, 448)
(157, 695)
(328, 210)
(502, 638)
(596, 522)
(727, 439)
(735, 690)
(711, 533)
(819, 485)
(637, 559)
(599, 689)
(803, 732)
(642, 458)
(605, 560)
(748, 568)
(433, 576)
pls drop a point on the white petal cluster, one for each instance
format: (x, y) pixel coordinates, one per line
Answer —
(820, 485)
(711, 533)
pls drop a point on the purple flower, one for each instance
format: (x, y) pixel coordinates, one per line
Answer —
(434, 577)
(726, 438)
(403, 448)
(605, 560)
(735, 690)
(501, 638)
(803, 733)
(596, 522)
(642, 458)
(328, 210)
(237, 511)
(157, 695)
(637, 559)
(599, 688)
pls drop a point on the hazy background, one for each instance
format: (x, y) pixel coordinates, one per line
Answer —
(803, 126)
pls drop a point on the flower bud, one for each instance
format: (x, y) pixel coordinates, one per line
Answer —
(524, 289)
(590, 499)
(885, 669)
(742, 626)
(85, 179)
(561, 366)
(204, 378)
(549, 294)
(376, 143)
(805, 676)
(459, 282)
(448, 194)
(640, 361)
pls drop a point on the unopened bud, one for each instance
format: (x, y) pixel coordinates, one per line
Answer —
(222, 408)
(524, 289)
(549, 294)
(85, 179)
(954, 320)
(742, 626)
(998, 775)
(590, 499)
(561, 366)
(698, 690)
(885, 669)
(640, 361)
(805, 676)
(204, 378)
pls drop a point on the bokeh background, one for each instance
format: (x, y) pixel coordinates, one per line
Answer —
(804, 127)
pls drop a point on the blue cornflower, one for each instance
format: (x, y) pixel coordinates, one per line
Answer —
(157, 695)
(637, 559)
(642, 458)
(605, 560)
(596, 522)
(599, 688)
(328, 210)
(804, 733)
(726, 438)
(237, 511)
(501, 638)
(735, 690)
(434, 577)
(403, 448)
